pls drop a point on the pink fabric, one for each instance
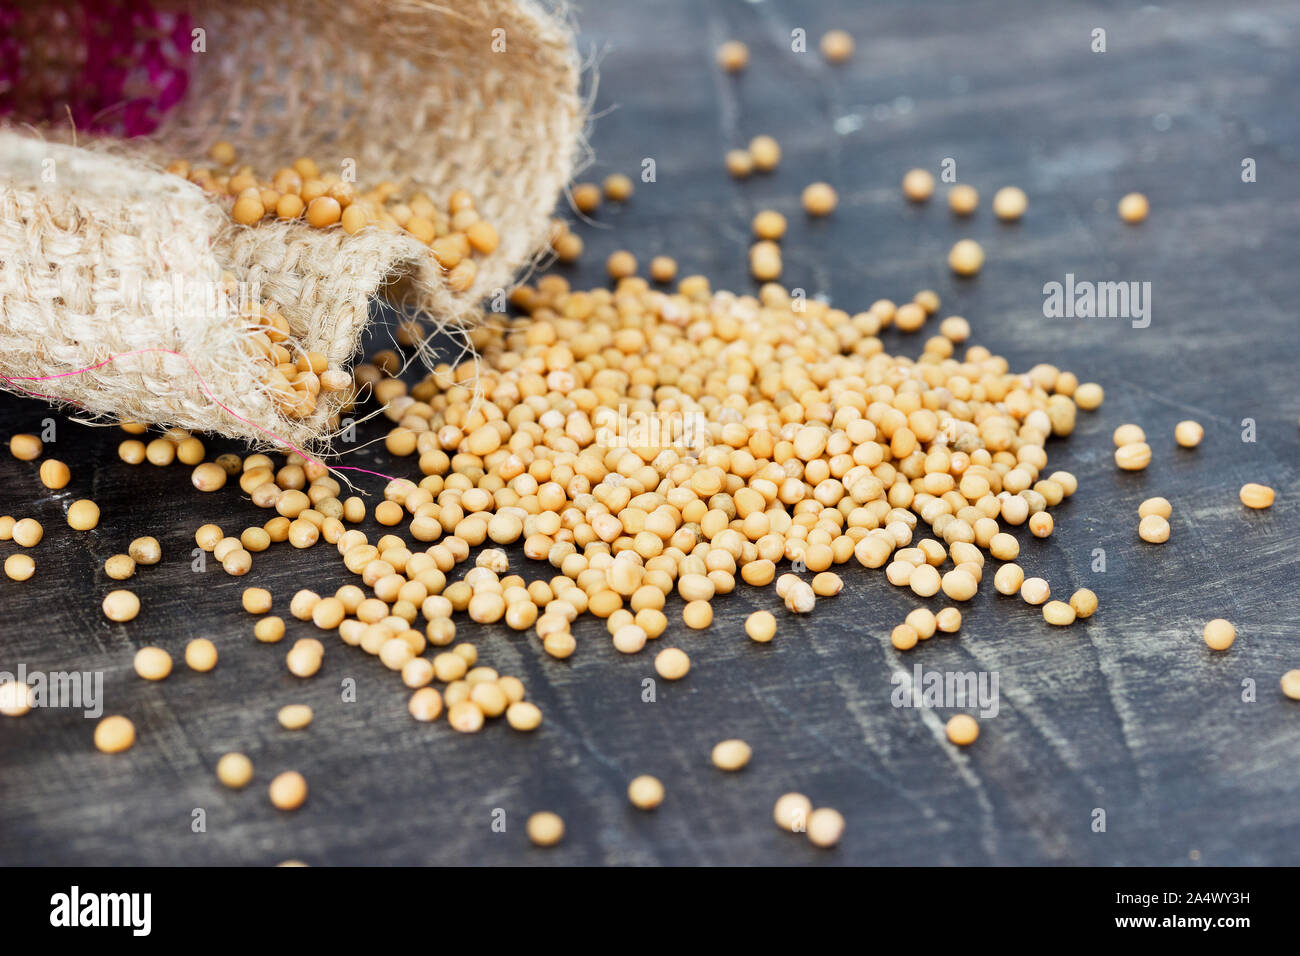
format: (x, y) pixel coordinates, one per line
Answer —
(115, 66)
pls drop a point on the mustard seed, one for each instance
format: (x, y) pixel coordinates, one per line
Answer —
(731, 754)
(825, 827)
(1188, 434)
(1134, 456)
(645, 792)
(1041, 525)
(621, 264)
(791, 812)
(672, 663)
(1133, 208)
(1084, 603)
(545, 828)
(1010, 203)
(769, 224)
(131, 451)
(465, 717)
(918, 185)
(1153, 529)
(1257, 496)
(288, 791)
(121, 605)
(963, 729)
(1219, 634)
(1034, 590)
(586, 197)
(1008, 579)
(837, 45)
(201, 655)
(761, 626)
(27, 532)
(523, 715)
(819, 199)
(145, 550)
(55, 474)
(904, 637)
(269, 630)
(83, 515)
(948, 620)
(425, 704)
(16, 698)
(208, 476)
(966, 257)
(294, 716)
(739, 163)
(153, 663)
(618, 188)
(765, 152)
(235, 770)
(114, 734)
(1291, 684)
(733, 56)
(663, 269)
(963, 200)
(19, 567)
(1156, 506)
(1058, 613)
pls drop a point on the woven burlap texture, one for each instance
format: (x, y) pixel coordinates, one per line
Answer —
(101, 253)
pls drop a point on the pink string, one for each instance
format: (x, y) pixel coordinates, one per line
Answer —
(206, 391)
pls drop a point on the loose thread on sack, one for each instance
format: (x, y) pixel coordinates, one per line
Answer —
(206, 391)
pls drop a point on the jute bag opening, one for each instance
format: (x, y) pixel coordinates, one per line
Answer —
(110, 264)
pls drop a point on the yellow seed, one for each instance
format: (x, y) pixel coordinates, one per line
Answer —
(1257, 496)
(55, 474)
(1219, 634)
(153, 663)
(1010, 203)
(1155, 506)
(1089, 396)
(761, 626)
(739, 163)
(697, 615)
(791, 812)
(235, 770)
(645, 792)
(294, 716)
(966, 257)
(825, 827)
(904, 637)
(1291, 684)
(545, 828)
(672, 663)
(962, 729)
(733, 56)
(948, 620)
(121, 605)
(1084, 603)
(288, 790)
(586, 197)
(769, 224)
(208, 476)
(663, 269)
(465, 716)
(1133, 208)
(1008, 579)
(425, 704)
(918, 185)
(621, 264)
(19, 567)
(963, 200)
(618, 188)
(1134, 456)
(837, 45)
(1034, 590)
(1058, 613)
(1188, 433)
(83, 515)
(731, 754)
(269, 630)
(145, 550)
(256, 600)
(201, 655)
(1041, 524)
(114, 734)
(819, 199)
(765, 152)
(26, 447)
(27, 532)
(222, 153)
(523, 715)
(1153, 529)
(16, 698)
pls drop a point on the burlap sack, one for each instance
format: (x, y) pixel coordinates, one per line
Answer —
(103, 254)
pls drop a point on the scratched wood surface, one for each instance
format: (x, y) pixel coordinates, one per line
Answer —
(1129, 712)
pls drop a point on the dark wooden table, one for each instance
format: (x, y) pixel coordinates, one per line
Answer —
(1128, 713)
